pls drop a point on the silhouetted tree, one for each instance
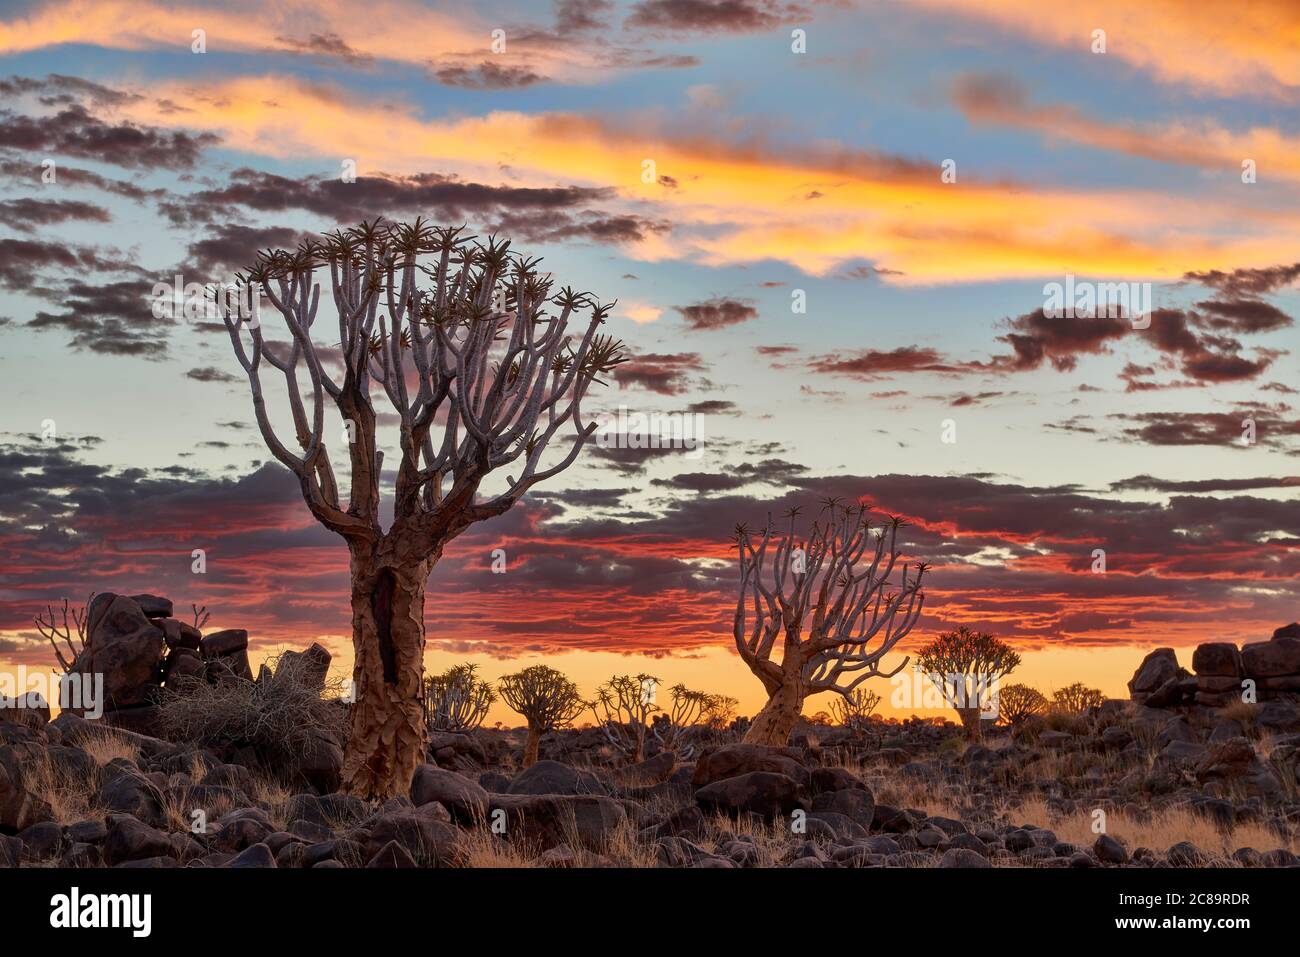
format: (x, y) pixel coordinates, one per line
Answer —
(1077, 698)
(966, 666)
(1017, 703)
(854, 709)
(456, 335)
(827, 598)
(457, 699)
(546, 699)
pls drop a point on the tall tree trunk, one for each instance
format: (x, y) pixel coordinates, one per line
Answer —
(388, 728)
(531, 746)
(970, 720)
(773, 724)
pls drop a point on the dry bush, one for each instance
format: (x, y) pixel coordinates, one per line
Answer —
(1242, 711)
(281, 715)
(1159, 830)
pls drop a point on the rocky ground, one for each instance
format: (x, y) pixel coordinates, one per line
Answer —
(1182, 775)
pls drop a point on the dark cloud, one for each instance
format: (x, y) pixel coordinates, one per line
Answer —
(486, 75)
(535, 214)
(1035, 337)
(717, 313)
(329, 45)
(1148, 483)
(229, 247)
(71, 176)
(871, 364)
(1243, 315)
(213, 374)
(26, 215)
(74, 131)
(1208, 428)
(1247, 282)
(712, 16)
(573, 16)
(664, 373)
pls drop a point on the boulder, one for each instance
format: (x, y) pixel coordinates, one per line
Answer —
(255, 855)
(1217, 658)
(963, 857)
(466, 800)
(759, 792)
(552, 777)
(426, 839)
(734, 760)
(651, 771)
(552, 819)
(856, 804)
(153, 606)
(1288, 631)
(131, 840)
(1264, 659)
(313, 664)
(1109, 851)
(125, 647)
(222, 644)
(1156, 668)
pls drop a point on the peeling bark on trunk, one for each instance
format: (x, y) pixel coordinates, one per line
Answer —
(773, 724)
(532, 745)
(388, 730)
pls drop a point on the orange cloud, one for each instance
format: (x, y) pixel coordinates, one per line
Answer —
(1221, 46)
(998, 101)
(736, 205)
(401, 31)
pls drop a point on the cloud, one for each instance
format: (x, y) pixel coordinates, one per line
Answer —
(1225, 429)
(717, 313)
(664, 373)
(1253, 49)
(74, 131)
(26, 215)
(213, 374)
(588, 574)
(738, 203)
(998, 100)
(712, 16)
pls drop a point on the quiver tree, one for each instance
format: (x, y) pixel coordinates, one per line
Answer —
(1018, 703)
(546, 699)
(622, 707)
(672, 728)
(1076, 699)
(457, 699)
(854, 709)
(838, 601)
(966, 666)
(459, 337)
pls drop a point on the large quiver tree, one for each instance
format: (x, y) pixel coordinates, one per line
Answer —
(455, 335)
(833, 599)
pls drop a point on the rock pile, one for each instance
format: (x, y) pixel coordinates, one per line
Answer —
(1260, 671)
(138, 647)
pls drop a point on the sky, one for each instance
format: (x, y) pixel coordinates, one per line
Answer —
(830, 229)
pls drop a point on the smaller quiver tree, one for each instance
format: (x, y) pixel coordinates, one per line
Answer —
(623, 707)
(854, 709)
(1018, 703)
(1077, 699)
(673, 728)
(966, 666)
(546, 699)
(457, 699)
